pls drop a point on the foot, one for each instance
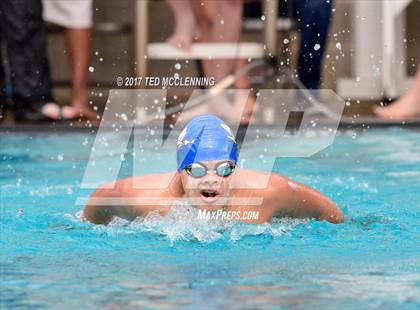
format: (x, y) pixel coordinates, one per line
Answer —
(245, 105)
(184, 34)
(218, 106)
(221, 107)
(186, 115)
(83, 111)
(240, 111)
(407, 107)
(53, 111)
(2, 112)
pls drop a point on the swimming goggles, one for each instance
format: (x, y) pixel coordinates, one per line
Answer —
(198, 170)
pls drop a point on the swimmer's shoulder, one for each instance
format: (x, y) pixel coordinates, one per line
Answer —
(255, 178)
(276, 191)
(137, 185)
(152, 181)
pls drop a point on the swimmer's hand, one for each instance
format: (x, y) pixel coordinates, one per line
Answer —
(304, 202)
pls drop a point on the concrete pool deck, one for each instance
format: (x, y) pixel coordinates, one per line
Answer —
(347, 122)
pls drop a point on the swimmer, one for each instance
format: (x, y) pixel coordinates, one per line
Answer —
(210, 180)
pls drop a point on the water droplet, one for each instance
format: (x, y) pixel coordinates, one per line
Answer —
(338, 45)
(317, 47)
(91, 69)
(177, 66)
(286, 41)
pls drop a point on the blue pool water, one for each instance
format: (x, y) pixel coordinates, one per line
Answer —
(50, 258)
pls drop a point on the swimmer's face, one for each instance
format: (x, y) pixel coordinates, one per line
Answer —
(211, 190)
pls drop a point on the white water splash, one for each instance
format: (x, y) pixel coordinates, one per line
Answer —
(182, 223)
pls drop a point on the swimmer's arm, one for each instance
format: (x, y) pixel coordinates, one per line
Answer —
(102, 213)
(304, 202)
(311, 203)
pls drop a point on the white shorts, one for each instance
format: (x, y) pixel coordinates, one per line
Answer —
(68, 13)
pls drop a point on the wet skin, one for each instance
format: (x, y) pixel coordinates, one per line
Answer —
(280, 197)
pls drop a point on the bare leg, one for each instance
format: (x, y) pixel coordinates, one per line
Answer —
(78, 42)
(225, 19)
(203, 27)
(217, 21)
(243, 105)
(408, 106)
(185, 24)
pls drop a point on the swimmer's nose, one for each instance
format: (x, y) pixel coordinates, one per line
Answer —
(211, 181)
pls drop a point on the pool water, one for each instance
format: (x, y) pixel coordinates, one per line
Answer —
(51, 258)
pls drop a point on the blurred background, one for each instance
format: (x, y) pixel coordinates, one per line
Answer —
(353, 62)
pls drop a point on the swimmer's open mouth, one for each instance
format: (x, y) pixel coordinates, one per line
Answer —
(209, 195)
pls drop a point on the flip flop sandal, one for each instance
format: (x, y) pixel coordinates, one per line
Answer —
(40, 115)
(2, 112)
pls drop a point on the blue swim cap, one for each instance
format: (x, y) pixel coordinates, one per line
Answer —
(205, 137)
